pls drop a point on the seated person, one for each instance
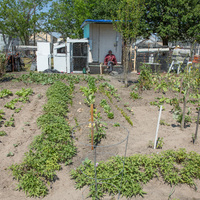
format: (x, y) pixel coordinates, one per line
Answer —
(110, 60)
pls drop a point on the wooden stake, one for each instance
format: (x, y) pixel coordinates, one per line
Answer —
(92, 128)
(135, 59)
(197, 126)
(157, 127)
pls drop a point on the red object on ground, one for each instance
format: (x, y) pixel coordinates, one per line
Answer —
(196, 59)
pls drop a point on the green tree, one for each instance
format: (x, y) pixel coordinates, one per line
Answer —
(20, 18)
(127, 22)
(66, 16)
(173, 20)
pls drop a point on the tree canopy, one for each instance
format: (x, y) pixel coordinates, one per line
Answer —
(21, 18)
(66, 16)
(173, 20)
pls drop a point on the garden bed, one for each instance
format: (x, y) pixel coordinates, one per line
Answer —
(143, 116)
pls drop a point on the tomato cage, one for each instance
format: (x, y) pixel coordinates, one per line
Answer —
(107, 147)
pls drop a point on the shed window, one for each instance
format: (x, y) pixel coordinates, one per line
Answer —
(61, 50)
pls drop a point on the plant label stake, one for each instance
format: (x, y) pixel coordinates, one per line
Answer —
(92, 129)
(157, 127)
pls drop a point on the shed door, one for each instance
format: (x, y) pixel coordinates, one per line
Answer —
(80, 56)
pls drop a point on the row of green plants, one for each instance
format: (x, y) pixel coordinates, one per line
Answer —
(109, 90)
(23, 97)
(47, 79)
(89, 93)
(52, 147)
(175, 167)
(185, 86)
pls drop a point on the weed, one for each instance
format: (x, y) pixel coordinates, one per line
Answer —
(162, 122)
(3, 133)
(116, 125)
(159, 143)
(134, 95)
(10, 122)
(150, 144)
(10, 154)
(40, 96)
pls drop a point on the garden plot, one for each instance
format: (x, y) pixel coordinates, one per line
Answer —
(138, 111)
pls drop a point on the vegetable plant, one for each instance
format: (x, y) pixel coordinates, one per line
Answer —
(175, 167)
(3, 133)
(5, 93)
(52, 147)
(107, 108)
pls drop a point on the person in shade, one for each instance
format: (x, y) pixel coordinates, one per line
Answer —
(110, 60)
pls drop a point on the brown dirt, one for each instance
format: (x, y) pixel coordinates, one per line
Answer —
(144, 127)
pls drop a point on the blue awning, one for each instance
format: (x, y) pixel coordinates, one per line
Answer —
(89, 21)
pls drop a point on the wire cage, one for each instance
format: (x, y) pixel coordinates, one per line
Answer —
(114, 145)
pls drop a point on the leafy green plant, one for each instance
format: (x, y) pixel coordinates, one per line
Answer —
(10, 122)
(134, 95)
(17, 110)
(89, 94)
(162, 86)
(1, 114)
(116, 125)
(109, 91)
(52, 147)
(125, 115)
(178, 116)
(110, 115)
(99, 128)
(5, 93)
(175, 167)
(24, 92)
(3, 133)
(15, 145)
(107, 108)
(10, 154)
(145, 79)
(159, 143)
(126, 104)
(162, 122)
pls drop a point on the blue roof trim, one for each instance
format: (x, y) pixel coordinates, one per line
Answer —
(88, 21)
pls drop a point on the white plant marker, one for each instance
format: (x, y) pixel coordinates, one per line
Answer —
(158, 127)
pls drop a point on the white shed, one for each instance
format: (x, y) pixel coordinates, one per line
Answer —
(102, 38)
(71, 56)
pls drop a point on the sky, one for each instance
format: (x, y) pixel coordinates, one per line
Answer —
(46, 9)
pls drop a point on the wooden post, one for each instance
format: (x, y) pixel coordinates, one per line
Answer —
(92, 128)
(157, 127)
(134, 70)
(13, 66)
(101, 68)
(197, 126)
